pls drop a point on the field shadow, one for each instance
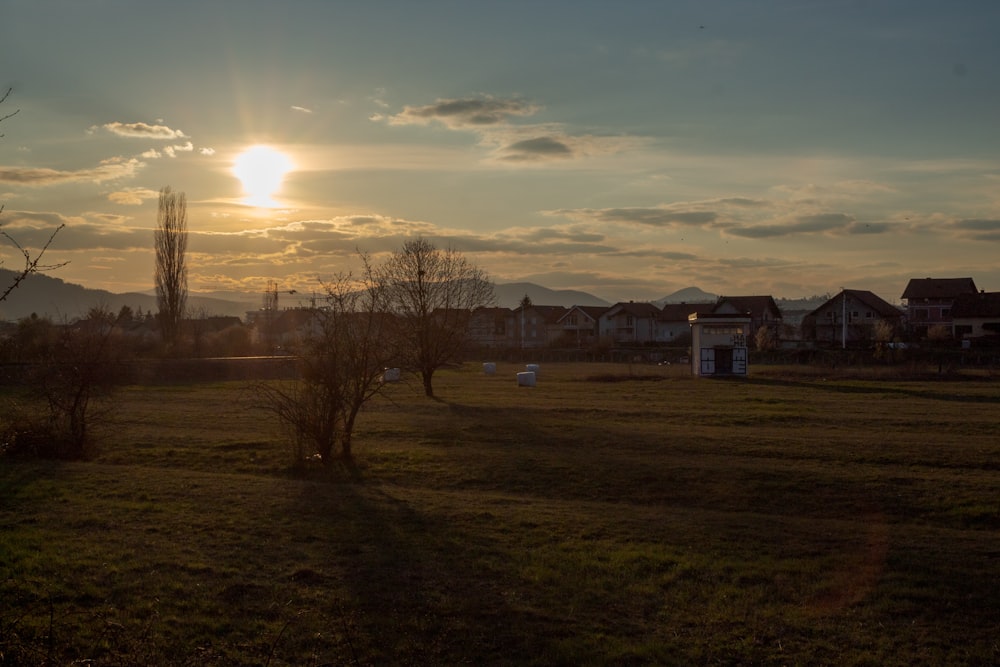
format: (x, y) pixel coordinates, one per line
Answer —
(414, 586)
(926, 390)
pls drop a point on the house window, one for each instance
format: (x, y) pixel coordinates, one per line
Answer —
(628, 320)
(920, 313)
(830, 314)
(869, 315)
(946, 312)
(572, 320)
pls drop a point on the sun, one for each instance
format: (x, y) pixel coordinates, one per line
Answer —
(261, 170)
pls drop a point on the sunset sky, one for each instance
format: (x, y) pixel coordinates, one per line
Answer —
(628, 149)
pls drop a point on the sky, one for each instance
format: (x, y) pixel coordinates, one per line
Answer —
(627, 149)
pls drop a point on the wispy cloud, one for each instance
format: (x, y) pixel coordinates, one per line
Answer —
(172, 151)
(821, 222)
(464, 113)
(538, 148)
(110, 169)
(132, 196)
(494, 121)
(656, 216)
(299, 109)
(143, 131)
(980, 229)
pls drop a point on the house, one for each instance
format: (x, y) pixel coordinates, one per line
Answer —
(491, 327)
(630, 323)
(929, 301)
(849, 318)
(976, 316)
(580, 325)
(763, 311)
(674, 326)
(718, 344)
(536, 326)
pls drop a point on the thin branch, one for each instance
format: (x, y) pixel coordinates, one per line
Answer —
(31, 264)
(2, 100)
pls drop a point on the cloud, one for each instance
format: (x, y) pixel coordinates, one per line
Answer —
(143, 131)
(172, 151)
(299, 109)
(539, 148)
(107, 170)
(744, 202)
(657, 216)
(465, 113)
(819, 222)
(858, 228)
(571, 233)
(132, 196)
(206, 151)
(981, 229)
(977, 224)
(491, 119)
(33, 228)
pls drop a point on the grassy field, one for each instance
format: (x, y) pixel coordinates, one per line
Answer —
(609, 515)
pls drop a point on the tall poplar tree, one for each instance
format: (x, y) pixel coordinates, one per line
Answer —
(170, 242)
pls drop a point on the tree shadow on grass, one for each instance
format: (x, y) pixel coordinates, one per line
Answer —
(410, 583)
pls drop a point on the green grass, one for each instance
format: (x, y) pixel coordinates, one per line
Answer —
(659, 519)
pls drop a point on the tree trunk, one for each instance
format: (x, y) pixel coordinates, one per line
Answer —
(428, 388)
(345, 446)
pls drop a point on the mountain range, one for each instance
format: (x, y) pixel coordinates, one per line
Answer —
(46, 295)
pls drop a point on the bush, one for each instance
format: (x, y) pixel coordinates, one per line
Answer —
(29, 434)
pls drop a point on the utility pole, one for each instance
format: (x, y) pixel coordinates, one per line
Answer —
(843, 319)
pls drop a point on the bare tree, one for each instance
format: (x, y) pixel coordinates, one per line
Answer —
(32, 263)
(341, 367)
(76, 368)
(432, 293)
(170, 242)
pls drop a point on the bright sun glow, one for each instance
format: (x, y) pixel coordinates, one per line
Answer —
(261, 170)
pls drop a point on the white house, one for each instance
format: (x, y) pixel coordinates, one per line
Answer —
(719, 343)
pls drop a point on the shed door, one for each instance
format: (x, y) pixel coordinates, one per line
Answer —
(739, 361)
(708, 361)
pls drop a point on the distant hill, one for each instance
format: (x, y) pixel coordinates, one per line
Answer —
(60, 300)
(55, 298)
(509, 295)
(688, 295)
(46, 295)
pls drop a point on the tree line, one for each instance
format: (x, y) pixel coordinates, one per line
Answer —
(410, 312)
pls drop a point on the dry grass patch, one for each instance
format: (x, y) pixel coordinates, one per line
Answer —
(677, 521)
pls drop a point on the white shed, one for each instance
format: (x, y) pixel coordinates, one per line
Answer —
(719, 343)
